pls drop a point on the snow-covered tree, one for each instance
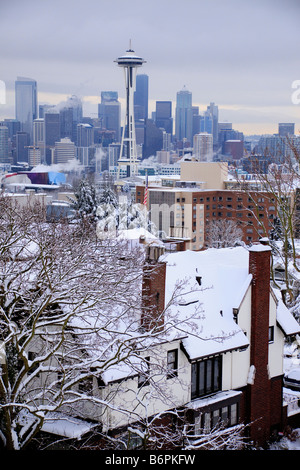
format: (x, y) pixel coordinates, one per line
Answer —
(86, 201)
(114, 215)
(172, 431)
(64, 304)
(109, 197)
(70, 314)
(223, 233)
(70, 310)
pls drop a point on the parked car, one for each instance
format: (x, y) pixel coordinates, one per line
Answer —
(292, 379)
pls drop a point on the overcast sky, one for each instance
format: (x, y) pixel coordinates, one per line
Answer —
(243, 55)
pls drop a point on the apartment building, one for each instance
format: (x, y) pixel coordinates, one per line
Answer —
(189, 212)
(187, 207)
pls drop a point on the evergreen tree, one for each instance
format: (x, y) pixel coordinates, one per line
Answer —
(86, 200)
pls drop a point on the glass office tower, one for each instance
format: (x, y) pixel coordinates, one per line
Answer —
(184, 116)
(26, 104)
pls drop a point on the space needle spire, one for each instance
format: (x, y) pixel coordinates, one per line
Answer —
(128, 159)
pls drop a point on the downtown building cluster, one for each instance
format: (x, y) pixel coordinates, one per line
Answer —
(50, 134)
(189, 163)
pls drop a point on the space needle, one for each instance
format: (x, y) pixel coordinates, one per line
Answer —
(128, 161)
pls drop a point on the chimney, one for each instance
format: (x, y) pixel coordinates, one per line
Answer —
(153, 290)
(260, 387)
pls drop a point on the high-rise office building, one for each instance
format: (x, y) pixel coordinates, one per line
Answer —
(45, 108)
(141, 97)
(13, 126)
(196, 120)
(39, 139)
(22, 144)
(4, 156)
(286, 128)
(206, 123)
(70, 115)
(64, 151)
(109, 111)
(85, 143)
(113, 156)
(184, 116)
(34, 156)
(203, 147)
(85, 137)
(26, 103)
(38, 131)
(213, 111)
(66, 123)
(163, 116)
(52, 134)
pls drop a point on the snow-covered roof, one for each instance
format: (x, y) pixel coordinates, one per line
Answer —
(201, 315)
(67, 426)
(215, 398)
(224, 282)
(136, 234)
(285, 319)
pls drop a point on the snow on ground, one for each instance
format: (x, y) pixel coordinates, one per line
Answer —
(291, 442)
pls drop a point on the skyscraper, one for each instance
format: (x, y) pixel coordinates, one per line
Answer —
(22, 144)
(206, 123)
(26, 103)
(85, 142)
(141, 96)
(286, 128)
(109, 111)
(184, 115)
(70, 116)
(52, 134)
(64, 151)
(39, 140)
(4, 157)
(213, 111)
(13, 126)
(34, 156)
(128, 162)
(66, 123)
(203, 146)
(163, 116)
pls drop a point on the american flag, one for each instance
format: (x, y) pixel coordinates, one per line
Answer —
(146, 191)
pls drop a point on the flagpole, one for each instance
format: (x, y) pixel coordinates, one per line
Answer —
(146, 190)
(146, 200)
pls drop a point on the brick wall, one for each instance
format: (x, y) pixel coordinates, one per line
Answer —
(153, 295)
(260, 390)
(252, 211)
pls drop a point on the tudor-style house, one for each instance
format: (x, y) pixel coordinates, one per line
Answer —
(221, 353)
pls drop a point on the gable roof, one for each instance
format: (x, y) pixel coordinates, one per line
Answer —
(224, 282)
(285, 319)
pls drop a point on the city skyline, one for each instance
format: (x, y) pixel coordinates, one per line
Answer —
(241, 57)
